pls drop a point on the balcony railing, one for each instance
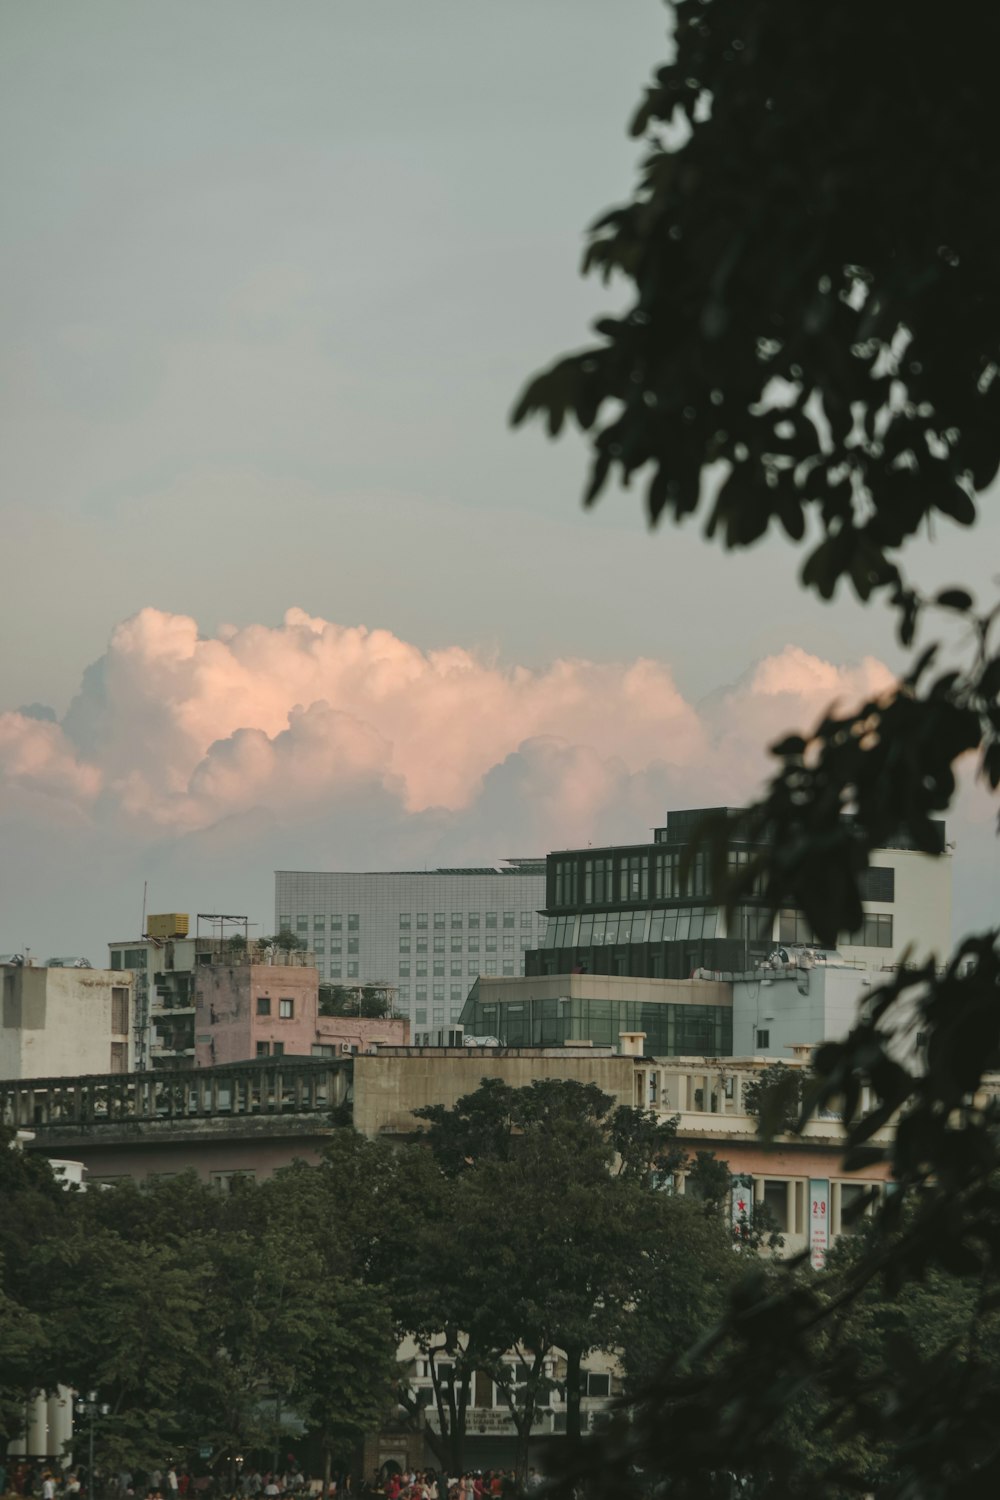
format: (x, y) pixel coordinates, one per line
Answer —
(300, 1086)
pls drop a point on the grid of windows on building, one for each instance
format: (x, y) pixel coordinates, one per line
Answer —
(392, 919)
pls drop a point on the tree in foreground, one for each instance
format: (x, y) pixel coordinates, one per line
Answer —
(813, 342)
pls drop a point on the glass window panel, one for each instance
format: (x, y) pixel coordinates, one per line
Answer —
(586, 931)
(683, 924)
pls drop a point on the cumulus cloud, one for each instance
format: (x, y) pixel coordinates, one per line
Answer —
(211, 760)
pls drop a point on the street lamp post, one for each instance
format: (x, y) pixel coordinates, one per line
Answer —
(91, 1407)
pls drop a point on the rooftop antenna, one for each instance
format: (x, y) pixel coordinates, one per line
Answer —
(142, 929)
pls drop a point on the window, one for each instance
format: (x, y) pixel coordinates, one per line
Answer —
(119, 1059)
(456, 919)
(421, 968)
(855, 1204)
(404, 970)
(491, 919)
(526, 919)
(421, 945)
(763, 1038)
(420, 1016)
(776, 1202)
(284, 924)
(263, 1005)
(279, 1049)
(753, 923)
(508, 942)
(439, 921)
(286, 1009)
(404, 919)
(119, 1009)
(319, 923)
(795, 927)
(875, 931)
(473, 919)
(225, 1181)
(336, 945)
(335, 970)
(633, 878)
(438, 944)
(565, 884)
(263, 1049)
(473, 945)
(491, 966)
(439, 968)
(456, 966)
(473, 966)
(437, 1015)
(353, 922)
(353, 944)
(508, 919)
(322, 1049)
(456, 945)
(456, 997)
(439, 994)
(352, 969)
(421, 919)
(666, 875)
(525, 941)
(404, 945)
(302, 924)
(336, 922)
(877, 884)
(508, 966)
(491, 943)
(598, 1385)
(404, 994)
(318, 946)
(421, 994)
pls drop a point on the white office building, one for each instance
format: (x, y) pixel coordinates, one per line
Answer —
(428, 934)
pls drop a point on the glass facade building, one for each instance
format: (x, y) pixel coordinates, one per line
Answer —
(672, 1029)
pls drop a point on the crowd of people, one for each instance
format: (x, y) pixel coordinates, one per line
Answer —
(26, 1480)
(493, 1484)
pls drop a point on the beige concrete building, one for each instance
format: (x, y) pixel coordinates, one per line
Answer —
(58, 1022)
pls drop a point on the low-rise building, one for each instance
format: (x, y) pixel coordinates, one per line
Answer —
(203, 1000)
(61, 1021)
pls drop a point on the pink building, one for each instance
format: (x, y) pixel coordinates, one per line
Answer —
(244, 1011)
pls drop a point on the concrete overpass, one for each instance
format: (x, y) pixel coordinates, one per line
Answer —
(249, 1117)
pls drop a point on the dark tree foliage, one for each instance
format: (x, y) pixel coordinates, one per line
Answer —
(813, 339)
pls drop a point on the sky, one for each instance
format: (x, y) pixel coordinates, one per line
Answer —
(282, 587)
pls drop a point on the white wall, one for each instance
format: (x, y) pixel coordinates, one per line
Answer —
(921, 910)
(801, 1007)
(56, 1023)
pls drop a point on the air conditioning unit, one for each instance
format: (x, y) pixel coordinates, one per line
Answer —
(345, 1046)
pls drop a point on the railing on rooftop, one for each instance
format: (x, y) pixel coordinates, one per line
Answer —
(288, 1086)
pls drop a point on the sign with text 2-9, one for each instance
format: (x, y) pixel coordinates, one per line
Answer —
(819, 1222)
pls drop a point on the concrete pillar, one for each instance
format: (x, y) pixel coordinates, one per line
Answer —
(758, 1190)
(38, 1426)
(60, 1418)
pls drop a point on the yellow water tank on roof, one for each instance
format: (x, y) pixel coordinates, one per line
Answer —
(170, 924)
